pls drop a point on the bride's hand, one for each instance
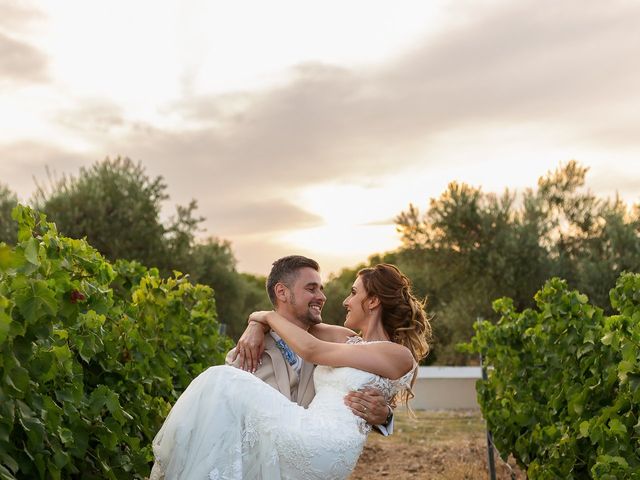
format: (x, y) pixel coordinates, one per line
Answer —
(250, 347)
(260, 317)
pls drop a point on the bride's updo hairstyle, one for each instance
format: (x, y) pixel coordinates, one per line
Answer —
(403, 315)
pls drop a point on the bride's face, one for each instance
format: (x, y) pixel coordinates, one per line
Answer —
(354, 304)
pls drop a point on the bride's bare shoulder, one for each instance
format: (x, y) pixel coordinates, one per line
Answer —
(400, 358)
(331, 333)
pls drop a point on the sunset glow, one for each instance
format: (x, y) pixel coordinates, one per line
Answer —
(308, 127)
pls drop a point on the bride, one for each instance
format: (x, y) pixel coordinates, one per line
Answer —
(230, 425)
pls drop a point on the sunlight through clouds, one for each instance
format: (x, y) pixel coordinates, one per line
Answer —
(352, 223)
(342, 204)
(343, 240)
(309, 126)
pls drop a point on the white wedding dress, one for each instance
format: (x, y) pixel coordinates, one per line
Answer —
(229, 425)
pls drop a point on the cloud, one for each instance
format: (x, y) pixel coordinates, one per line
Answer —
(523, 63)
(256, 216)
(257, 254)
(565, 69)
(564, 66)
(314, 128)
(18, 16)
(20, 62)
(382, 222)
(603, 181)
(92, 117)
(560, 64)
(26, 162)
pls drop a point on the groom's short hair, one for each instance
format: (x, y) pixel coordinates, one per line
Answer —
(284, 270)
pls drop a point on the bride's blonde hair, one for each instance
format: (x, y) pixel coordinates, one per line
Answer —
(403, 315)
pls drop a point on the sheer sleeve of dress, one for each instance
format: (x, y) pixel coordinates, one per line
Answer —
(387, 386)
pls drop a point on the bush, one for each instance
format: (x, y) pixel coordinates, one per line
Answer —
(92, 355)
(564, 393)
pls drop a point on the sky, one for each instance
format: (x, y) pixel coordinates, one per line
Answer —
(306, 127)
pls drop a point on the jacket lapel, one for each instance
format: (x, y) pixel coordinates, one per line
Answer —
(306, 376)
(284, 374)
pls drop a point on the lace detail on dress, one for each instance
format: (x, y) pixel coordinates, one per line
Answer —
(387, 386)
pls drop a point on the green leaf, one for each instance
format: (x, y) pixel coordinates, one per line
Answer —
(25, 410)
(617, 427)
(624, 367)
(62, 353)
(36, 300)
(584, 349)
(5, 431)
(52, 413)
(6, 474)
(18, 378)
(31, 251)
(9, 462)
(91, 319)
(61, 333)
(32, 425)
(634, 382)
(589, 337)
(26, 221)
(608, 338)
(60, 459)
(584, 429)
(66, 436)
(98, 399)
(114, 407)
(5, 326)
(8, 258)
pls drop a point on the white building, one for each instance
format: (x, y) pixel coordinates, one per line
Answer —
(446, 388)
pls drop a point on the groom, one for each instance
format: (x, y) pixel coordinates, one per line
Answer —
(296, 292)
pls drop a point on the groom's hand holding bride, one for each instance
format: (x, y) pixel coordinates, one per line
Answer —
(369, 404)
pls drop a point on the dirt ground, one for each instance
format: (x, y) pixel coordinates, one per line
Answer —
(435, 445)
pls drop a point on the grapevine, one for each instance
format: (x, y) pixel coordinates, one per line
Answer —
(563, 390)
(92, 355)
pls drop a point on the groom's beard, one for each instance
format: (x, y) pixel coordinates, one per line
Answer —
(306, 316)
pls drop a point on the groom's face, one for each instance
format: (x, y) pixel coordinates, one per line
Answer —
(306, 296)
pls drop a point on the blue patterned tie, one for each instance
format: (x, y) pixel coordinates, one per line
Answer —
(287, 352)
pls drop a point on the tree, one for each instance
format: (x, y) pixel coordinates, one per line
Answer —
(8, 228)
(255, 295)
(213, 263)
(179, 236)
(116, 206)
(466, 250)
(471, 247)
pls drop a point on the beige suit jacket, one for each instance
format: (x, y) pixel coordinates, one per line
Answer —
(277, 372)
